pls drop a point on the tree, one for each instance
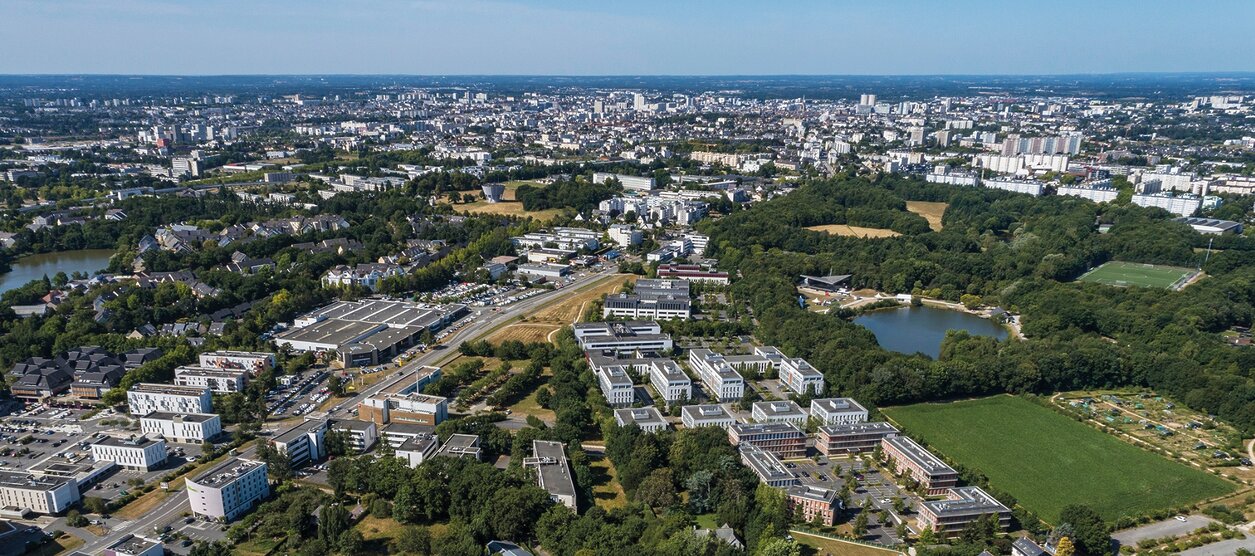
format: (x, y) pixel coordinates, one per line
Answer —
(216, 548)
(414, 539)
(658, 489)
(75, 519)
(860, 523)
(1065, 547)
(1092, 535)
(777, 546)
(95, 505)
(333, 520)
(277, 463)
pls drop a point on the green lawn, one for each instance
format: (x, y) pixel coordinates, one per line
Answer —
(1048, 461)
(1117, 273)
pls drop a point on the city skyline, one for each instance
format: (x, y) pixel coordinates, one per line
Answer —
(547, 37)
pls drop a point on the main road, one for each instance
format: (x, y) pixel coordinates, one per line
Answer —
(482, 321)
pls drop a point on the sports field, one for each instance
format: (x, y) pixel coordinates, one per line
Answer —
(1048, 461)
(1118, 273)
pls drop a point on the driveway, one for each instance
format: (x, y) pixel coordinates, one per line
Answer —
(1166, 528)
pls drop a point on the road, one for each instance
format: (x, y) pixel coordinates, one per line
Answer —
(1170, 527)
(172, 508)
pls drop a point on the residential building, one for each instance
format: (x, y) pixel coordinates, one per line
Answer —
(649, 419)
(962, 506)
(629, 183)
(221, 381)
(45, 495)
(779, 412)
(252, 361)
(782, 439)
(813, 503)
(136, 453)
(183, 428)
(838, 411)
(853, 438)
(228, 490)
(907, 456)
(144, 398)
(552, 471)
(711, 415)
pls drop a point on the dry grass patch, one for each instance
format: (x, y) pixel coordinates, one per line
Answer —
(571, 307)
(607, 492)
(507, 208)
(853, 231)
(526, 333)
(930, 210)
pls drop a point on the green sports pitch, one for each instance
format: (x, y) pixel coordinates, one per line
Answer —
(1118, 273)
(1047, 461)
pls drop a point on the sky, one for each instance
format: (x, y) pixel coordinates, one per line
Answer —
(625, 37)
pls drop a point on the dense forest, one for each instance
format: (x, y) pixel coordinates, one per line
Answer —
(1014, 251)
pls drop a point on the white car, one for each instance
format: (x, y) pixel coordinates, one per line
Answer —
(1180, 518)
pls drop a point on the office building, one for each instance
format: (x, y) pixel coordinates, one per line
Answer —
(42, 495)
(144, 398)
(782, 439)
(649, 419)
(552, 471)
(832, 440)
(766, 466)
(228, 490)
(615, 385)
(303, 443)
(625, 336)
(721, 381)
(417, 449)
(182, 428)
(361, 434)
(136, 454)
(799, 376)
(838, 411)
(462, 446)
(962, 506)
(779, 412)
(711, 415)
(402, 402)
(813, 502)
(905, 455)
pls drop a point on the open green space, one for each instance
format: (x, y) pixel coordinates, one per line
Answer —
(1048, 461)
(1119, 273)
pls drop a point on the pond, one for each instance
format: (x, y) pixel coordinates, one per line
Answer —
(922, 329)
(35, 267)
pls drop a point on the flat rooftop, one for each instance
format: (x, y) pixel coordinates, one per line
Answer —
(641, 416)
(707, 412)
(764, 463)
(549, 459)
(169, 389)
(299, 430)
(786, 408)
(838, 405)
(138, 442)
(226, 472)
(334, 332)
(391, 313)
(131, 544)
(26, 481)
(874, 427)
(919, 456)
(743, 429)
(968, 500)
(184, 417)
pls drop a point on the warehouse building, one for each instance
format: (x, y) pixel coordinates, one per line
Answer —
(367, 332)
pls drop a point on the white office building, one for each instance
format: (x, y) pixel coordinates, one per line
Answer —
(616, 386)
(838, 411)
(710, 415)
(785, 411)
(799, 376)
(222, 381)
(669, 381)
(136, 454)
(45, 495)
(649, 419)
(184, 428)
(721, 381)
(228, 490)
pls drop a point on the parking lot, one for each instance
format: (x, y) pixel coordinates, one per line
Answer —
(300, 396)
(872, 490)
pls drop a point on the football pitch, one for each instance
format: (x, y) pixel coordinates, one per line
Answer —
(1047, 461)
(1117, 273)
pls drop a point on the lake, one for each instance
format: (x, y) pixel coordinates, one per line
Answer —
(921, 329)
(35, 267)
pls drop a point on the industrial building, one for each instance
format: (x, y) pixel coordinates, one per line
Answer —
(367, 332)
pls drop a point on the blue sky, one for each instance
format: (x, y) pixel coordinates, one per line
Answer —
(554, 37)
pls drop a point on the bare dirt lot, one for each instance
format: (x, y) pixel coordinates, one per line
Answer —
(931, 211)
(853, 231)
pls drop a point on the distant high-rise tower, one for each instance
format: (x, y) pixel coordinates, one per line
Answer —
(867, 100)
(638, 101)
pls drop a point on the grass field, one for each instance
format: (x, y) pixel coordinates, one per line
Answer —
(607, 492)
(568, 310)
(852, 231)
(1117, 273)
(526, 333)
(822, 546)
(512, 186)
(1048, 461)
(931, 211)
